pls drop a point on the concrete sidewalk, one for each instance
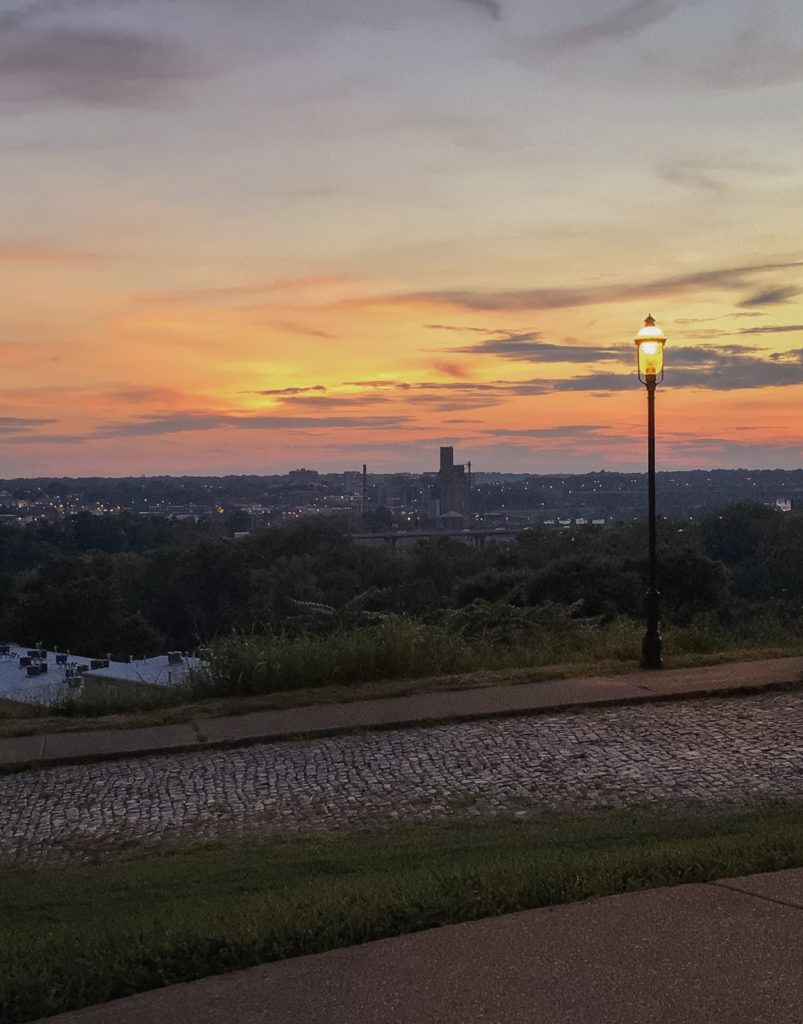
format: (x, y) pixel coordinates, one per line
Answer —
(456, 705)
(727, 952)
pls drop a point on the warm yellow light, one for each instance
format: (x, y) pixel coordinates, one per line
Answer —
(650, 358)
(650, 342)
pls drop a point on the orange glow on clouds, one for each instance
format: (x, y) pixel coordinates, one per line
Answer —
(259, 378)
(275, 246)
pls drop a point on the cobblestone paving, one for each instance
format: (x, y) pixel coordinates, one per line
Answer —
(722, 751)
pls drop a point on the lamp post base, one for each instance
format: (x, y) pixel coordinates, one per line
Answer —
(651, 651)
(651, 644)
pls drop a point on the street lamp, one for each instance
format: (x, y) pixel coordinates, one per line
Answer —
(650, 342)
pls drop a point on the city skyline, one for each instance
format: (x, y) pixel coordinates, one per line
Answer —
(243, 240)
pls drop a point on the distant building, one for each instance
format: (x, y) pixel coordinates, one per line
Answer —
(302, 476)
(453, 485)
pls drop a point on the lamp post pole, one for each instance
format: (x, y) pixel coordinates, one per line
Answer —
(650, 342)
(651, 645)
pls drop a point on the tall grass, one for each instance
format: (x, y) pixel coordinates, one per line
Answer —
(487, 638)
(404, 648)
(396, 648)
(764, 628)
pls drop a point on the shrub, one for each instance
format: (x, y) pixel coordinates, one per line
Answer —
(396, 648)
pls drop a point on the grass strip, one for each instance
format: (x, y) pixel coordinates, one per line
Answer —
(71, 937)
(20, 719)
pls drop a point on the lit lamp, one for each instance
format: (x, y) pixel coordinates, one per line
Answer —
(650, 342)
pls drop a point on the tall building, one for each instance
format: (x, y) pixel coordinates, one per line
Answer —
(453, 485)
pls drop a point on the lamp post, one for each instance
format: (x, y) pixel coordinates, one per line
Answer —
(650, 342)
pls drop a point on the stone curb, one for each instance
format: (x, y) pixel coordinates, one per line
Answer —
(37, 752)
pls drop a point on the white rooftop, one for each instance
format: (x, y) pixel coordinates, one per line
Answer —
(52, 685)
(156, 671)
(45, 687)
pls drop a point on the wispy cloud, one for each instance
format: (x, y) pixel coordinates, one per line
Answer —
(718, 174)
(15, 424)
(771, 297)
(455, 387)
(327, 292)
(694, 355)
(443, 396)
(572, 430)
(628, 20)
(30, 252)
(282, 392)
(450, 369)
(236, 293)
(794, 355)
(534, 299)
(751, 53)
(520, 348)
(179, 423)
(724, 367)
(329, 401)
(526, 347)
(712, 367)
(48, 440)
(720, 375)
(462, 329)
(772, 329)
(141, 395)
(35, 10)
(102, 67)
(692, 173)
(599, 382)
(491, 7)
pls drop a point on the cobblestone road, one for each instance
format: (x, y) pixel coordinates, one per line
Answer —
(701, 751)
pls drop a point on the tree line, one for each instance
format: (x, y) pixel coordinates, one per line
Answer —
(129, 585)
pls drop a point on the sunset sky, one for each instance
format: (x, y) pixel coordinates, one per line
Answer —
(251, 235)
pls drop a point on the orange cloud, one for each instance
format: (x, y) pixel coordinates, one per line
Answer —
(451, 369)
(26, 252)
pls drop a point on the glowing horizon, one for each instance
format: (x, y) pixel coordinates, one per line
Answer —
(252, 240)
